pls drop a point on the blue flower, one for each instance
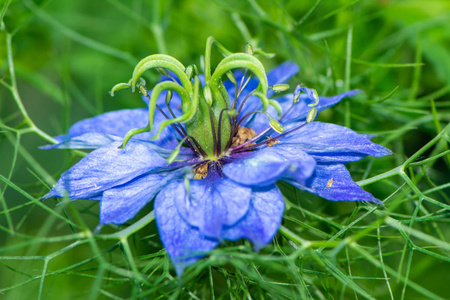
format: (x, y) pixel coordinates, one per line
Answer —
(206, 196)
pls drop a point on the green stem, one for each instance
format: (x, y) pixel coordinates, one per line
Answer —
(15, 92)
(379, 177)
(130, 229)
(400, 170)
(209, 43)
(348, 65)
(13, 86)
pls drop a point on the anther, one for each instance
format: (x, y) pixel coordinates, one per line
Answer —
(311, 115)
(278, 88)
(201, 172)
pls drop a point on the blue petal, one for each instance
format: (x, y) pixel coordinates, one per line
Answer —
(116, 123)
(184, 243)
(212, 203)
(105, 168)
(92, 140)
(333, 182)
(121, 203)
(102, 129)
(262, 220)
(97, 140)
(98, 131)
(260, 169)
(302, 164)
(332, 143)
(266, 166)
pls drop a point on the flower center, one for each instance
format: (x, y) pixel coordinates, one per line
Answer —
(209, 124)
(243, 135)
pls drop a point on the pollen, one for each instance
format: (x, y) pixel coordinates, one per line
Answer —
(329, 183)
(201, 172)
(272, 141)
(244, 134)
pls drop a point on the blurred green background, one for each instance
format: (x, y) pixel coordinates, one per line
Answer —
(66, 56)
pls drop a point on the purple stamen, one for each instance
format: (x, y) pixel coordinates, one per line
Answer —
(200, 150)
(238, 149)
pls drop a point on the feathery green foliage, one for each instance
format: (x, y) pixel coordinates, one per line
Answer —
(59, 58)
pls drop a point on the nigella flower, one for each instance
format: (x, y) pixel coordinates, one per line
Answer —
(210, 153)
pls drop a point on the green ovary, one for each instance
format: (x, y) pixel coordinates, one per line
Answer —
(199, 127)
